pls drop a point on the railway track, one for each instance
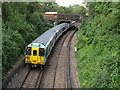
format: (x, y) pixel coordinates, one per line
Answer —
(37, 82)
(32, 79)
(67, 65)
(35, 78)
(48, 80)
(67, 82)
(58, 60)
(39, 76)
(25, 78)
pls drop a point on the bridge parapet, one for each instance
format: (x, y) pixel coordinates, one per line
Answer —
(68, 17)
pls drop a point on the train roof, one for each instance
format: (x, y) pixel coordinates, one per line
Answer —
(46, 36)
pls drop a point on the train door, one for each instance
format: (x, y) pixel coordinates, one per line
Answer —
(34, 55)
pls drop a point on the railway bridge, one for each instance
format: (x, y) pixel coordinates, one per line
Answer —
(59, 18)
(67, 18)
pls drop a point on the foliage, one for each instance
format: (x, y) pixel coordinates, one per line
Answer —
(54, 7)
(22, 23)
(80, 10)
(76, 9)
(97, 45)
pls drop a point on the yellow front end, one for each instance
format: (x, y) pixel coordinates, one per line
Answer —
(34, 58)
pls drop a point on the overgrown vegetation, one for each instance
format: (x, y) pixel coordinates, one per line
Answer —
(75, 9)
(22, 23)
(97, 45)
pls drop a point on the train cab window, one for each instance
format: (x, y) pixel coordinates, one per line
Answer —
(34, 53)
(41, 52)
(28, 51)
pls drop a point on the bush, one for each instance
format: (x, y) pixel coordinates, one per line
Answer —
(19, 28)
(97, 44)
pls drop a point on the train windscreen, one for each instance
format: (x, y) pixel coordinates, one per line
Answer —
(41, 52)
(28, 51)
(34, 52)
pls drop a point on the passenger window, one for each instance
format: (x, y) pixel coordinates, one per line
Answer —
(34, 53)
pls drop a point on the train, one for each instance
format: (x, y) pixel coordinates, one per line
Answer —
(37, 52)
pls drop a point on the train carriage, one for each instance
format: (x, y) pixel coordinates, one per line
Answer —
(38, 51)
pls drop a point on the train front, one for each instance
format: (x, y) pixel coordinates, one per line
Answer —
(35, 54)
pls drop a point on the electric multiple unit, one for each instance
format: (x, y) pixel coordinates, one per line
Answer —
(38, 51)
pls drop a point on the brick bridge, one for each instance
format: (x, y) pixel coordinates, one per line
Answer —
(59, 18)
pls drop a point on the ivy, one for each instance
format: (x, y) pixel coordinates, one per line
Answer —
(97, 45)
(22, 23)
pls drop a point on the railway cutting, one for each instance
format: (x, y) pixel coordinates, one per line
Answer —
(54, 57)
